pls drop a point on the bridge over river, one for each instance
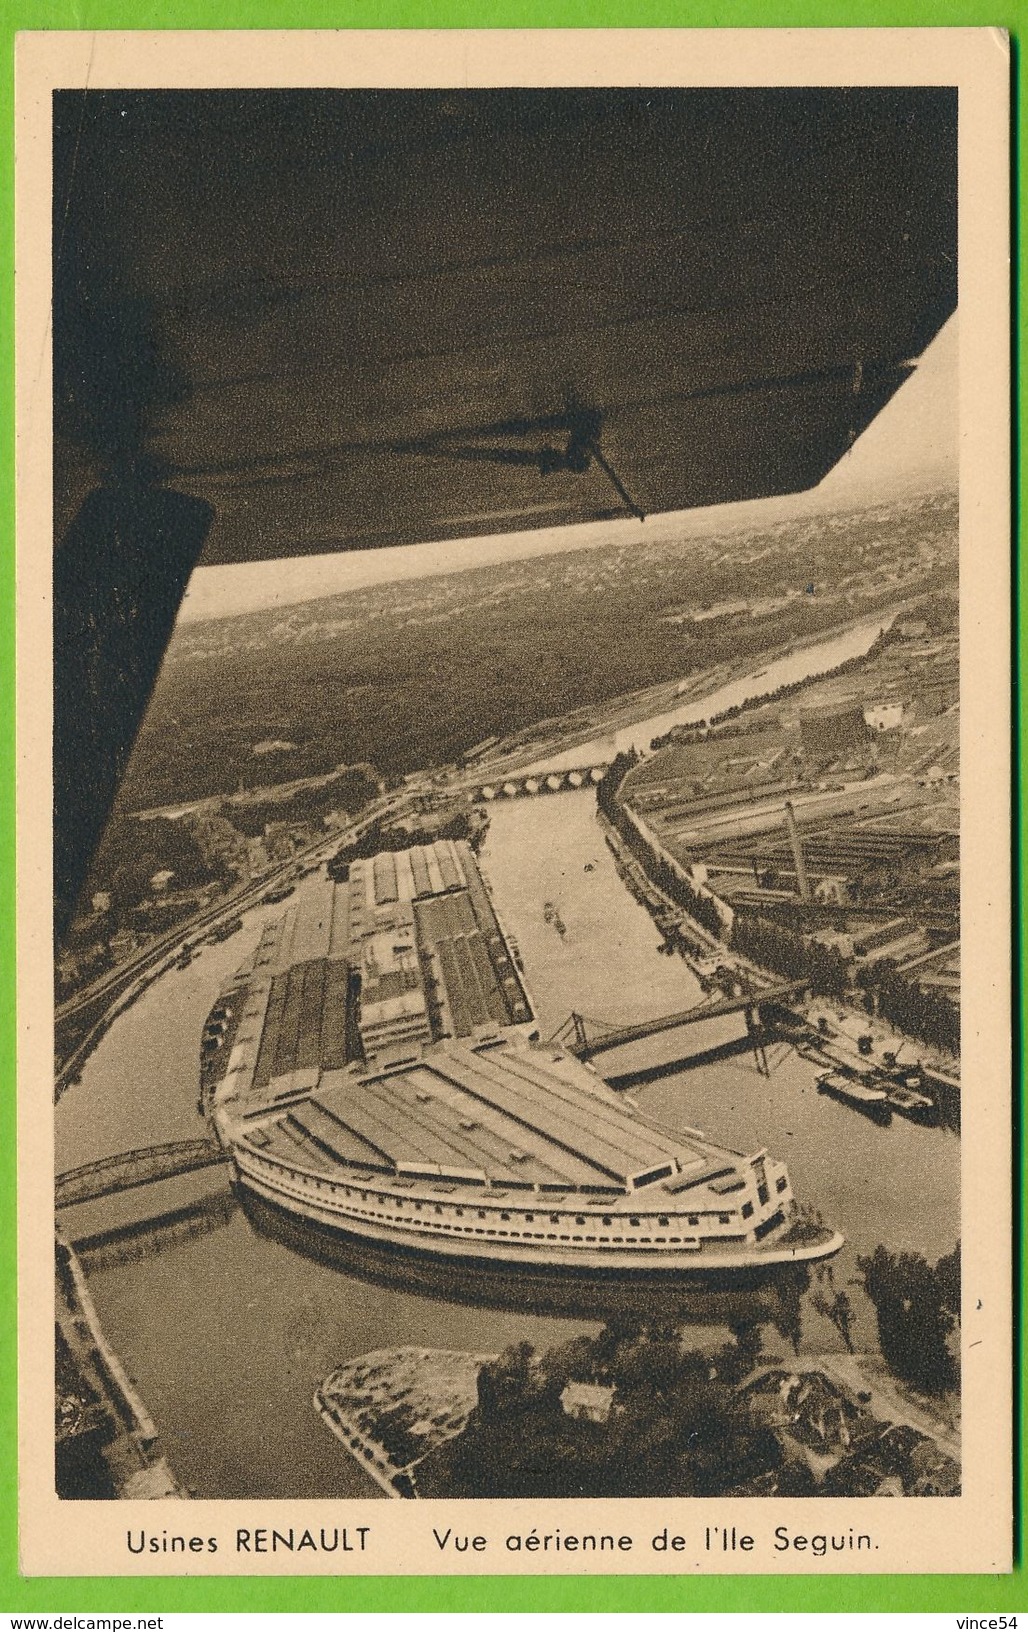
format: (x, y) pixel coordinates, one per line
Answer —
(519, 786)
(113, 1174)
(586, 1038)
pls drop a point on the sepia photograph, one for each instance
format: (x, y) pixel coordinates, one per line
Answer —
(507, 675)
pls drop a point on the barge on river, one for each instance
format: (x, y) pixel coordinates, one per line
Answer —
(375, 1070)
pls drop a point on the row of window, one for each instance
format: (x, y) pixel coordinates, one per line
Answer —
(529, 1235)
(662, 1221)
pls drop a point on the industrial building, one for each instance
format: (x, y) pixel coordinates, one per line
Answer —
(374, 1068)
(432, 958)
(407, 951)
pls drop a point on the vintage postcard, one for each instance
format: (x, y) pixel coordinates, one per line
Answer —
(514, 802)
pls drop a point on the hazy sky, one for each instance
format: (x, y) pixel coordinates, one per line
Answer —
(913, 443)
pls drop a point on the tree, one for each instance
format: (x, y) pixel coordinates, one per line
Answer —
(947, 1275)
(911, 1303)
(748, 1343)
(676, 1424)
(839, 1310)
(787, 1310)
(570, 1362)
(608, 786)
(796, 1478)
(506, 1383)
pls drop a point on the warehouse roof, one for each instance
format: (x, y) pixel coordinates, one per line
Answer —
(499, 1111)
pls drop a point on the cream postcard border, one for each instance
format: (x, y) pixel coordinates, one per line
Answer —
(972, 1532)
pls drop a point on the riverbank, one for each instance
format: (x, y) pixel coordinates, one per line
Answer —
(716, 965)
(681, 933)
(710, 860)
(833, 1033)
(83, 1019)
(827, 1032)
(564, 733)
(106, 1439)
(842, 1420)
(392, 1408)
(694, 699)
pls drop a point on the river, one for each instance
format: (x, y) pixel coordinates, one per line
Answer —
(227, 1332)
(804, 663)
(898, 1184)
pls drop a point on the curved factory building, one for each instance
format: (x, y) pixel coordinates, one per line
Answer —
(375, 1069)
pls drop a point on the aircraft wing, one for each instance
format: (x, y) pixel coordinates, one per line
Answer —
(288, 322)
(736, 279)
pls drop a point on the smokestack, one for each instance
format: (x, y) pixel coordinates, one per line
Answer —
(797, 851)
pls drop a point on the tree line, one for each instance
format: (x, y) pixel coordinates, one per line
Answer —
(917, 1011)
(674, 1423)
(348, 789)
(378, 838)
(796, 956)
(700, 907)
(788, 689)
(920, 1011)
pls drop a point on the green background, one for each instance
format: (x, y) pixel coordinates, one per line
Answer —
(959, 1594)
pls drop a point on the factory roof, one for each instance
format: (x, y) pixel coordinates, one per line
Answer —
(501, 1110)
(420, 931)
(436, 892)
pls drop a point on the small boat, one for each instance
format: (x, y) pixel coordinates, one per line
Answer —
(910, 1101)
(862, 1093)
(865, 1096)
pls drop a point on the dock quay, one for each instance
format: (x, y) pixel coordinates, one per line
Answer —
(691, 939)
(832, 1051)
(106, 1441)
(678, 929)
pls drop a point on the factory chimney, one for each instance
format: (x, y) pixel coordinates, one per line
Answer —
(797, 851)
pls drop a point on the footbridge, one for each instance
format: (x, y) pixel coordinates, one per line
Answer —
(136, 1167)
(519, 786)
(586, 1038)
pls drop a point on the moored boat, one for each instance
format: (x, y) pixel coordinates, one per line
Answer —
(868, 1097)
(910, 1100)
